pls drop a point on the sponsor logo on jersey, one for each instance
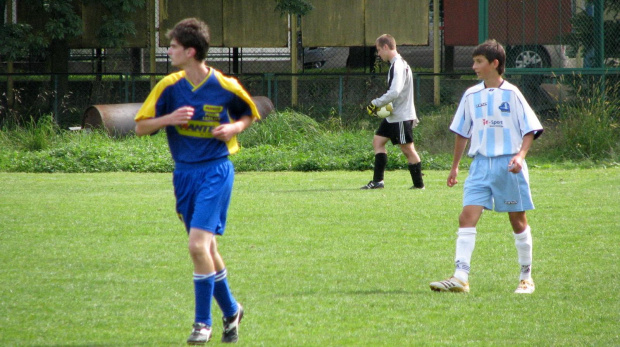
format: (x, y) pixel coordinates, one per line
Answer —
(197, 128)
(504, 107)
(482, 104)
(493, 123)
(212, 113)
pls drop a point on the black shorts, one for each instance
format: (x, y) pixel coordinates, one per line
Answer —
(399, 133)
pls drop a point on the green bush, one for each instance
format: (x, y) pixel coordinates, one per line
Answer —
(281, 128)
(587, 127)
(586, 134)
(34, 135)
(433, 132)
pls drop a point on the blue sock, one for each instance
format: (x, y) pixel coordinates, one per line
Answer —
(203, 290)
(223, 296)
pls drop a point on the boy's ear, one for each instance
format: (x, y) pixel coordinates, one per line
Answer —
(495, 63)
(191, 52)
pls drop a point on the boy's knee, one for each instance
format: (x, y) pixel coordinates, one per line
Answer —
(518, 221)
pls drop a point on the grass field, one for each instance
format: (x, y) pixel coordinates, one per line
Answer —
(101, 260)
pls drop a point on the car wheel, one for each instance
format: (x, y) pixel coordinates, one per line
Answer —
(528, 57)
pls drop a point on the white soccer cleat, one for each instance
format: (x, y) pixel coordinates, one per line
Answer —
(525, 287)
(452, 284)
(201, 334)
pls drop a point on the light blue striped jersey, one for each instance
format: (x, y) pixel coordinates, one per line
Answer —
(495, 120)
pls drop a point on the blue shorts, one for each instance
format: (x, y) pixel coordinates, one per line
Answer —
(491, 185)
(203, 194)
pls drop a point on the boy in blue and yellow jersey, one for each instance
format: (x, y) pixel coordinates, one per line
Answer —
(202, 112)
(501, 126)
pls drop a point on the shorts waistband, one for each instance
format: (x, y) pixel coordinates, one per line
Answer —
(199, 165)
(483, 157)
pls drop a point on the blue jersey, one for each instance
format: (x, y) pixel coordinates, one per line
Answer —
(495, 120)
(217, 100)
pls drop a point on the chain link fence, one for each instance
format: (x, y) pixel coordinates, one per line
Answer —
(547, 42)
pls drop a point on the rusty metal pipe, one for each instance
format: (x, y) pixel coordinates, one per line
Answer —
(118, 119)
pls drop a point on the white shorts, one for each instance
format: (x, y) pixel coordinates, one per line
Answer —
(491, 185)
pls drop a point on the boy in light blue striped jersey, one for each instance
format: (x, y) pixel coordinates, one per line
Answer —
(500, 126)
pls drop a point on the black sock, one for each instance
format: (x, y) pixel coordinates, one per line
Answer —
(380, 163)
(416, 174)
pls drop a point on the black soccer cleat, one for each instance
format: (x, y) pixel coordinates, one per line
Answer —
(231, 326)
(374, 185)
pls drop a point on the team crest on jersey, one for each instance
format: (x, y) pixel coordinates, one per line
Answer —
(504, 107)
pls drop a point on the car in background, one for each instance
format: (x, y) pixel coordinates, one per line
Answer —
(532, 56)
(325, 57)
(517, 56)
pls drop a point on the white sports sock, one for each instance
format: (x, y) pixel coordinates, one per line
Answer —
(523, 242)
(465, 243)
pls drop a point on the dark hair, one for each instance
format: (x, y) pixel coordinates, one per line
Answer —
(492, 50)
(386, 39)
(192, 33)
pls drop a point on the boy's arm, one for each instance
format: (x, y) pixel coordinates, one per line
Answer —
(459, 147)
(225, 132)
(396, 87)
(516, 163)
(180, 116)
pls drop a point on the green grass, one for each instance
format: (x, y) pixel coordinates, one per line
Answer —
(101, 260)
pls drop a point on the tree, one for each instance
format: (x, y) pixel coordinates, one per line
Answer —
(298, 7)
(50, 25)
(583, 38)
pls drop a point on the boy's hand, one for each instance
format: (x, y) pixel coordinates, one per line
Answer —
(516, 164)
(371, 109)
(181, 115)
(226, 132)
(452, 181)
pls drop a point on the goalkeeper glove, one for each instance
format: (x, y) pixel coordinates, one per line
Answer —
(371, 109)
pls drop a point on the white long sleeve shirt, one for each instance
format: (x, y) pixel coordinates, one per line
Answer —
(400, 92)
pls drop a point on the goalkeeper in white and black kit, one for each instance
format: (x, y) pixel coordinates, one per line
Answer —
(398, 126)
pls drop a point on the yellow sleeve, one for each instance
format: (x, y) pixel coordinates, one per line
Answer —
(147, 110)
(233, 85)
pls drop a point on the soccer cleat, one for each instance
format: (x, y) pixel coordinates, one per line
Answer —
(373, 185)
(525, 287)
(201, 334)
(231, 327)
(452, 284)
(420, 188)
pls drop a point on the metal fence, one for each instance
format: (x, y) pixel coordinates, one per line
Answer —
(546, 41)
(320, 95)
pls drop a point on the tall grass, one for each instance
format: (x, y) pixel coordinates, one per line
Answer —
(34, 135)
(586, 132)
(588, 126)
(284, 128)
